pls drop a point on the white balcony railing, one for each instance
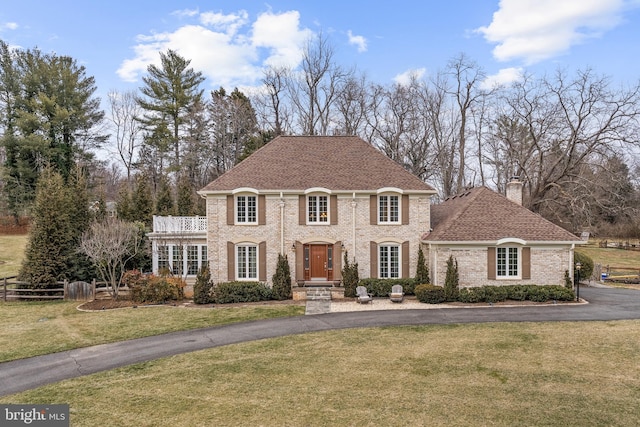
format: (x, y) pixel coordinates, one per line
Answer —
(179, 224)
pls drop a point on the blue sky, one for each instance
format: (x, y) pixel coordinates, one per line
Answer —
(231, 41)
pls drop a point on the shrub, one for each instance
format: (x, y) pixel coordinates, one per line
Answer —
(382, 287)
(586, 264)
(471, 295)
(451, 279)
(494, 293)
(350, 277)
(202, 287)
(534, 293)
(154, 289)
(232, 292)
(422, 271)
(282, 280)
(430, 294)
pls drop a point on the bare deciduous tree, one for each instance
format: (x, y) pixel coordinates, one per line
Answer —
(126, 130)
(110, 245)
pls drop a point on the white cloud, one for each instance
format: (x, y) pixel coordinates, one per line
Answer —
(359, 41)
(503, 77)
(9, 26)
(187, 13)
(406, 77)
(282, 36)
(225, 48)
(535, 30)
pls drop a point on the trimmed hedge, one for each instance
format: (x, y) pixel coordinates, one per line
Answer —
(430, 294)
(231, 292)
(382, 287)
(148, 288)
(535, 293)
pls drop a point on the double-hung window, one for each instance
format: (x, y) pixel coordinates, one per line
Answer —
(318, 209)
(246, 209)
(389, 261)
(247, 262)
(388, 209)
(507, 262)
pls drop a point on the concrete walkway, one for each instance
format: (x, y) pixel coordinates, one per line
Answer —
(24, 374)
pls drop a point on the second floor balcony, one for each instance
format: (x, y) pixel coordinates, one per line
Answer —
(179, 224)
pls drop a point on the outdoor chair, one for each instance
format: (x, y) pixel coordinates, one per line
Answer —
(363, 296)
(397, 293)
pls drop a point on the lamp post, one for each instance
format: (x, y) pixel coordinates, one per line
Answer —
(578, 267)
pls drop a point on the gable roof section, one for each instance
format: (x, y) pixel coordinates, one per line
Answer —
(296, 163)
(481, 214)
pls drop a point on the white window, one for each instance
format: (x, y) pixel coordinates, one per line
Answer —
(507, 262)
(247, 262)
(388, 209)
(318, 209)
(389, 261)
(163, 259)
(178, 259)
(246, 209)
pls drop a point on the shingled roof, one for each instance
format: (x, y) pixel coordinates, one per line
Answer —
(481, 214)
(338, 163)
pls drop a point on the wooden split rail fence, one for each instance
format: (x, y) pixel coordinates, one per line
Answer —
(13, 290)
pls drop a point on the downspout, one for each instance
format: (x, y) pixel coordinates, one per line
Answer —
(353, 222)
(571, 260)
(281, 224)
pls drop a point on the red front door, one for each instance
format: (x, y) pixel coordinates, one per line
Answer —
(318, 262)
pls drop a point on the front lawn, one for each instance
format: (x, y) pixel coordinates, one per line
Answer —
(506, 374)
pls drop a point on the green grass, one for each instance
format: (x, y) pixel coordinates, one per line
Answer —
(508, 374)
(35, 328)
(11, 254)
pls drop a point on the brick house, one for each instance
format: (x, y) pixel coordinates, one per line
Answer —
(312, 198)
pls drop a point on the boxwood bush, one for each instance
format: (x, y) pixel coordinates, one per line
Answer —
(382, 287)
(430, 294)
(535, 293)
(231, 292)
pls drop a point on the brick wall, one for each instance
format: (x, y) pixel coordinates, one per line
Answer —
(548, 265)
(353, 214)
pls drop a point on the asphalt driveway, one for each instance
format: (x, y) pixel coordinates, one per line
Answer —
(24, 374)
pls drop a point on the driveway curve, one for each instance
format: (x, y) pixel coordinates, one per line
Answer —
(24, 374)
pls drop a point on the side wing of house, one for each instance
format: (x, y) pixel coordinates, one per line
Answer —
(506, 262)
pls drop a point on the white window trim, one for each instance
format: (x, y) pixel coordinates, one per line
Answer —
(399, 266)
(237, 263)
(518, 276)
(202, 260)
(388, 196)
(236, 201)
(317, 222)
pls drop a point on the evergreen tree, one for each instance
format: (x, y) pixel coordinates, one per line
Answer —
(142, 202)
(281, 280)
(123, 203)
(79, 267)
(164, 199)
(169, 91)
(350, 276)
(422, 271)
(50, 119)
(185, 196)
(51, 240)
(203, 286)
(451, 280)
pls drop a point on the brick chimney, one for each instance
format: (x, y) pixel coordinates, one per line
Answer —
(514, 190)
